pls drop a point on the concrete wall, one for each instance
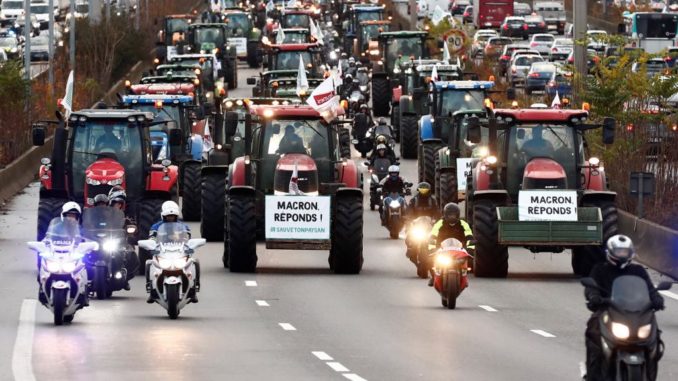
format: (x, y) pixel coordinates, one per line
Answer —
(656, 245)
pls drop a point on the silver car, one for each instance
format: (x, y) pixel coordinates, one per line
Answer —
(561, 48)
(520, 66)
(542, 43)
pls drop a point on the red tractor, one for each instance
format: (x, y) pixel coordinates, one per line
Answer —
(95, 150)
(537, 189)
(293, 188)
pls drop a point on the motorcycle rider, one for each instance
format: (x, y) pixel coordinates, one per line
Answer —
(392, 183)
(382, 140)
(619, 253)
(381, 153)
(423, 203)
(450, 226)
(117, 198)
(170, 212)
(351, 69)
(101, 200)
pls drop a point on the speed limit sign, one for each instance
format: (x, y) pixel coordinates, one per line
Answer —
(456, 39)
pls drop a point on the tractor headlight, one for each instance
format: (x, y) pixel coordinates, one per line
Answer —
(117, 181)
(375, 52)
(483, 151)
(363, 88)
(396, 70)
(395, 204)
(594, 161)
(92, 181)
(110, 245)
(620, 331)
(333, 55)
(644, 331)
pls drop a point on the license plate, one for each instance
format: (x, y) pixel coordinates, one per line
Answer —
(553, 27)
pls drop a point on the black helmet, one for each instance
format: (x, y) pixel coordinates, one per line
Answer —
(451, 213)
(424, 188)
(620, 250)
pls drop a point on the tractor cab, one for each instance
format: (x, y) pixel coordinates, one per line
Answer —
(359, 13)
(396, 47)
(243, 35)
(287, 56)
(213, 39)
(366, 45)
(292, 35)
(210, 70)
(174, 26)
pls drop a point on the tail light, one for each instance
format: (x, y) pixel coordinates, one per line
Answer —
(570, 60)
(629, 127)
(542, 24)
(466, 14)
(554, 50)
(533, 75)
(667, 58)
(533, 44)
(504, 57)
(525, 26)
(505, 26)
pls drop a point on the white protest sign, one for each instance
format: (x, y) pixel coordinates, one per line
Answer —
(547, 205)
(464, 169)
(239, 43)
(298, 217)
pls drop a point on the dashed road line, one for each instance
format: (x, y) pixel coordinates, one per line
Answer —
(487, 308)
(669, 294)
(22, 356)
(354, 377)
(542, 333)
(337, 366)
(322, 356)
(262, 303)
(287, 326)
(251, 283)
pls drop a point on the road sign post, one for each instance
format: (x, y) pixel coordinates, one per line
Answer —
(642, 184)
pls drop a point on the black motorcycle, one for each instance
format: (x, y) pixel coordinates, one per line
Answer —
(629, 332)
(378, 172)
(106, 266)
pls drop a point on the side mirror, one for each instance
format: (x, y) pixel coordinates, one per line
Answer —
(231, 123)
(473, 134)
(147, 244)
(252, 81)
(609, 125)
(195, 243)
(86, 247)
(38, 132)
(37, 246)
(175, 137)
(664, 286)
(511, 93)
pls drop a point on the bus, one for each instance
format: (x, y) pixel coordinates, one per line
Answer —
(489, 14)
(650, 31)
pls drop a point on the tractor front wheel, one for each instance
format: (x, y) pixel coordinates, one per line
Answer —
(491, 259)
(381, 96)
(242, 234)
(190, 197)
(213, 196)
(346, 254)
(408, 136)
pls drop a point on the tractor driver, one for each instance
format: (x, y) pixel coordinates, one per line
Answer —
(537, 145)
(108, 140)
(291, 142)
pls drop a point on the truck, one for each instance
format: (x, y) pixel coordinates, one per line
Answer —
(553, 13)
(491, 13)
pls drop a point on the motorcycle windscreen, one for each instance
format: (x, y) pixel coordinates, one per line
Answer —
(630, 294)
(380, 167)
(103, 221)
(451, 244)
(63, 232)
(171, 233)
(381, 129)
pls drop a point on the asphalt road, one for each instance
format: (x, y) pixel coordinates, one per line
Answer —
(294, 320)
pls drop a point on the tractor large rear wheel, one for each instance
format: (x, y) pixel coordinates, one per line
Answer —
(149, 213)
(190, 197)
(585, 257)
(381, 96)
(242, 234)
(346, 254)
(345, 142)
(213, 195)
(491, 259)
(447, 190)
(427, 162)
(252, 55)
(48, 209)
(408, 136)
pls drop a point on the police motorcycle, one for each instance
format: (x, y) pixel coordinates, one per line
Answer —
(62, 274)
(172, 269)
(106, 265)
(416, 241)
(450, 271)
(628, 329)
(395, 211)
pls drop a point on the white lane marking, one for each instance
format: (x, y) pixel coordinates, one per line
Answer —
(354, 377)
(669, 294)
(251, 283)
(336, 366)
(582, 369)
(287, 326)
(487, 308)
(22, 358)
(322, 356)
(542, 333)
(262, 303)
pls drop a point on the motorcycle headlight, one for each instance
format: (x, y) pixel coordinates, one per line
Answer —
(114, 182)
(68, 266)
(110, 245)
(620, 331)
(91, 181)
(419, 233)
(443, 260)
(363, 87)
(131, 229)
(375, 52)
(53, 266)
(333, 55)
(180, 263)
(164, 263)
(644, 331)
(394, 204)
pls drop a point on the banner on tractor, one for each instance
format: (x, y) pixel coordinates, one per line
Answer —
(464, 169)
(547, 205)
(298, 217)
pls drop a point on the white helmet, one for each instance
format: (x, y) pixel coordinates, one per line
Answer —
(620, 250)
(170, 208)
(381, 146)
(70, 207)
(393, 168)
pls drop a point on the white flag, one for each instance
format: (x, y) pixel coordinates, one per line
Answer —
(556, 101)
(302, 82)
(294, 186)
(280, 36)
(207, 144)
(67, 101)
(291, 4)
(438, 15)
(270, 6)
(446, 53)
(324, 99)
(434, 73)
(315, 33)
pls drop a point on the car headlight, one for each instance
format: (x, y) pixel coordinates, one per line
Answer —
(443, 260)
(644, 331)
(91, 181)
(394, 204)
(620, 331)
(110, 245)
(419, 233)
(117, 181)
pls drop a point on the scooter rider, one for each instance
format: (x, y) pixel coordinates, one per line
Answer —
(392, 183)
(117, 198)
(619, 253)
(170, 212)
(451, 226)
(423, 203)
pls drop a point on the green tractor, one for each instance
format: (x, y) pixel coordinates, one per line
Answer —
(172, 28)
(243, 35)
(357, 13)
(394, 48)
(365, 44)
(213, 38)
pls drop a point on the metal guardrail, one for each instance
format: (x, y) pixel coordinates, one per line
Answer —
(656, 245)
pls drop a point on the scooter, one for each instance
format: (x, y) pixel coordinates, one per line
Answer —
(628, 327)
(62, 274)
(450, 271)
(172, 269)
(417, 244)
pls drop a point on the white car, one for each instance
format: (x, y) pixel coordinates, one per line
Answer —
(542, 43)
(11, 9)
(41, 11)
(519, 67)
(561, 48)
(480, 39)
(597, 39)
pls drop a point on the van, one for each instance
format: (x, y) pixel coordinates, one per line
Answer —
(553, 13)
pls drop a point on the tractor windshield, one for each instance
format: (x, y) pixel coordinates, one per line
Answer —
(296, 21)
(237, 25)
(112, 136)
(452, 101)
(307, 136)
(371, 31)
(553, 141)
(290, 60)
(168, 113)
(405, 47)
(214, 35)
(295, 38)
(176, 26)
(370, 15)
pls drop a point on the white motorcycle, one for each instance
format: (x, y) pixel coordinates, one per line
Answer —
(172, 270)
(62, 274)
